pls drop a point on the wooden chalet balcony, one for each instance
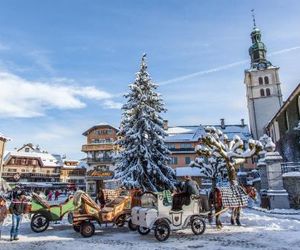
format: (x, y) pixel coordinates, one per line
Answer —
(107, 160)
(97, 147)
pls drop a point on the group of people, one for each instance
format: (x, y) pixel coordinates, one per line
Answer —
(181, 195)
(49, 194)
(17, 208)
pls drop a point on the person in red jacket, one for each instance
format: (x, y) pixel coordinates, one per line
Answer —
(57, 194)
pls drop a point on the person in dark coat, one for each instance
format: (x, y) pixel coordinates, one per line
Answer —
(189, 188)
(17, 208)
(100, 198)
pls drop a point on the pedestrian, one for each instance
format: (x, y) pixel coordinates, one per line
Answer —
(49, 197)
(17, 208)
(100, 198)
(181, 198)
(3, 212)
(57, 193)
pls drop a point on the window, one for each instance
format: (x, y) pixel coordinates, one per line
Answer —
(299, 106)
(266, 80)
(186, 145)
(286, 120)
(260, 80)
(174, 160)
(187, 160)
(262, 92)
(268, 92)
(171, 146)
(104, 132)
(26, 149)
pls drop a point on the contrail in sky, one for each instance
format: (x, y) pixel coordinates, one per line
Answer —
(223, 67)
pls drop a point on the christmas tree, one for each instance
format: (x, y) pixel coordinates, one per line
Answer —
(143, 159)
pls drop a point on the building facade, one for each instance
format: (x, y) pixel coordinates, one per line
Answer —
(182, 140)
(284, 128)
(30, 164)
(100, 150)
(73, 172)
(263, 89)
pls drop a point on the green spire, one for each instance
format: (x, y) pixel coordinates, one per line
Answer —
(258, 50)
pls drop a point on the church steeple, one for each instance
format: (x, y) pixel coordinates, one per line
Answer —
(258, 50)
(262, 84)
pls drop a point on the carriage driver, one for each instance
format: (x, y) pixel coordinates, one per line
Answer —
(183, 198)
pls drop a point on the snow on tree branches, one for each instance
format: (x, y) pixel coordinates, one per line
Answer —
(215, 144)
(143, 160)
(210, 166)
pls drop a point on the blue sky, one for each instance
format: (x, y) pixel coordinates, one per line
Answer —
(64, 65)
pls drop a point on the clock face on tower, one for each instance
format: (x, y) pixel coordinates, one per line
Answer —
(261, 66)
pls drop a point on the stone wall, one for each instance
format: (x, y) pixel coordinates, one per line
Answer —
(292, 185)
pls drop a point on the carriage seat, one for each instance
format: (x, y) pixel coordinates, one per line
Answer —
(107, 209)
(40, 200)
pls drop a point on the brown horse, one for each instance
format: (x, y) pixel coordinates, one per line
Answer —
(216, 202)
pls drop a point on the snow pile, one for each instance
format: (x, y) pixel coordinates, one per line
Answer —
(259, 230)
(291, 174)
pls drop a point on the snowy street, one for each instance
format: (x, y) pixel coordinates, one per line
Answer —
(259, 231)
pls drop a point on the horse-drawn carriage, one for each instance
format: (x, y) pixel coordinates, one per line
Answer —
(117, 211)
(43, 212)
(155, 213)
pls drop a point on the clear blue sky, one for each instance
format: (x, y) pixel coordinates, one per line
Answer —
(64, 65)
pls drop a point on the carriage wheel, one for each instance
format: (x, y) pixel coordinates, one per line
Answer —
(143, 230)
(87, 229)
(120, 221)
(76, 228)
(162, 231)
(39, 223)
(70, 217)
(132, 226)
(198, 225)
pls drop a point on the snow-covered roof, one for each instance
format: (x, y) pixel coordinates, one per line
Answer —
(77, 164)
(4, 138)
(184, 171)
(194, 133)
(291, 174)
(47, 159)
(184, 133)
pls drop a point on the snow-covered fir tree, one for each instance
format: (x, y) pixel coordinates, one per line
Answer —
(144, 157)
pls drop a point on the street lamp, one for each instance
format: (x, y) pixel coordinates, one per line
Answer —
(3, 140)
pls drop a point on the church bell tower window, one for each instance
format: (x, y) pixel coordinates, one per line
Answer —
(262, 92)
(260, 81)
(266, 80)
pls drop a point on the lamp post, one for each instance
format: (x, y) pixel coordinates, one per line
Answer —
(3, 140)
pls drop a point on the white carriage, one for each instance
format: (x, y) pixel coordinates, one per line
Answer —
(156, 214)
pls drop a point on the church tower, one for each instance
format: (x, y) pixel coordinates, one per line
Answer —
(264, 96)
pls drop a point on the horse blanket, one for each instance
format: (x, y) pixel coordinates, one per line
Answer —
(234, 196)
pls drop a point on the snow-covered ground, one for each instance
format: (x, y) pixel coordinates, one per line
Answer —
(260, 230)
